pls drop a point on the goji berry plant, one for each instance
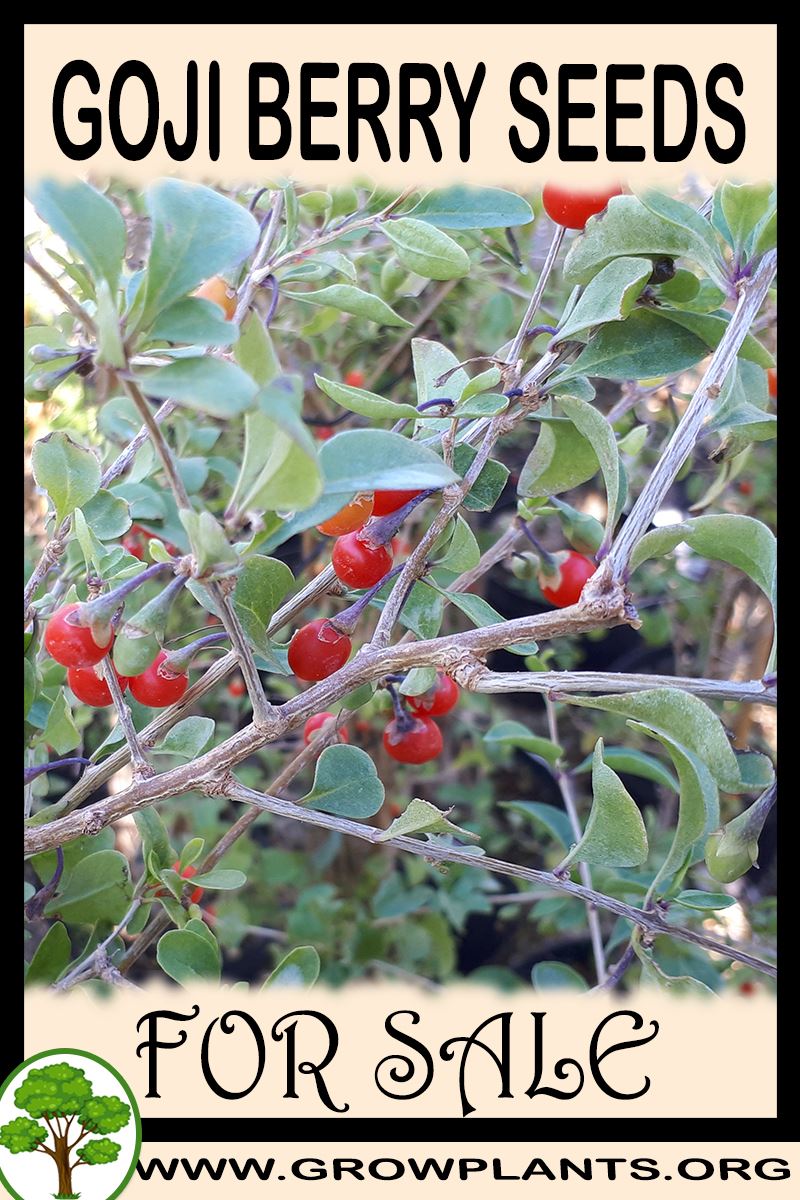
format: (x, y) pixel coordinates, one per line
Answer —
(394, 587)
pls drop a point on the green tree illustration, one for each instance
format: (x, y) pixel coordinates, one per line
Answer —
(61, 1096)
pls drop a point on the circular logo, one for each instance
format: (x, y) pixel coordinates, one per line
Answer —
(69, 1127)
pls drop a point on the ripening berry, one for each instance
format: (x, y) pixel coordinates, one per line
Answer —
(316, 722)
(217, 291)
(317, 650)
(566, 586)
(72, 644)
(88, 685)
(354, 379)
(438, 700)
(417, 740)
(572, 207)
(358, 564)
(158, 687)
(350, 518)
(389, 502)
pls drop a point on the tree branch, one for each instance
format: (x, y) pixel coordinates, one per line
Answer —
(650, 921)
(556, 683)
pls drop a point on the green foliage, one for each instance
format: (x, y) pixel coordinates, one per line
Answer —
(326, 341)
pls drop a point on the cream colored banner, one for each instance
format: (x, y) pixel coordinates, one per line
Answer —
(496, 130)
(346, 1168)
(728, 1043)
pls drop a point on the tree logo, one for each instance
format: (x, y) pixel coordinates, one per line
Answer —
(56, 1112)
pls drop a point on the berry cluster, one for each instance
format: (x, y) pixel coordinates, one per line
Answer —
(72, 644)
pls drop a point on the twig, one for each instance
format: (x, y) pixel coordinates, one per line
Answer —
(87, 967)
(459, 654)
(565, 787)
(751, 297)
(650, 921)
(140, 765)
(250, 283)
(753, 691)
(68, 301)
(538, 292)
(216, 673)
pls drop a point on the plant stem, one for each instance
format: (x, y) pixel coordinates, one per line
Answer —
(140, 765)
(567, 795)
(536, 298)
(690, 428)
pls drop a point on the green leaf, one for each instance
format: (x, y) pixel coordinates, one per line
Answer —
(632, 762)
(462, 207)
(60, 731)
(255, 353)
(646, 344)
(132, 655)
(155, 839)
(418, 681)
(221, 879)
(279, 468)
(261, 586)
(366, 404)
(513, 733)
(614, 835)
(205, 384)
(194, 322)
(422, 817)
(299, 968)
(698, 811)
(90, 224)
(734, 538)
(431, 361)
(554, 820)
(704, 901)
(756, 770)
(210, 546)
(678, 985)
(424, 249)
(423, 611)
(561, 459)
(556, 976)
(485, 491)
(361, 460)
(69, 473)
(610, 296)
(108, 516)
(598, 433)
(462, 551)
(187, 957)
(710, 327)
(110, 350)
(684, 718)
(349, 299)
(743, 207)
(51, 958)
(346, 784)
(188, 738)
(97, 889)
(632, 228)
(197, 233)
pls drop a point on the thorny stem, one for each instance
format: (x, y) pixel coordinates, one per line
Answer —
(565, 787)
(140, 765)
(563, 683)
(252, 279)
